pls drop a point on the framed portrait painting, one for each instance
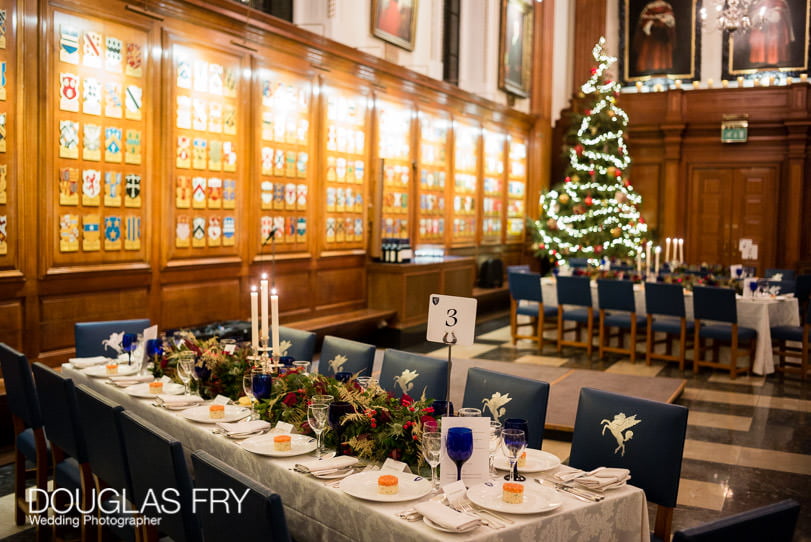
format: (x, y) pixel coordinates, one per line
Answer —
(659, 38)
(395, 21)
(777, 40)
(515, 47)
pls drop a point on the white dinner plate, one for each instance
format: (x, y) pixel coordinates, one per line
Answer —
(263, 445)
(537, 498)
(364, 486)
(537, 461)
(100, 371)
(142, 390)
(201, 414)
(439, 527)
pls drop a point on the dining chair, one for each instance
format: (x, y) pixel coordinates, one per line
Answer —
(29, 431)
(785, 274)
(60, 415)
(617, 305)
(575, 291)
(503, 396)
(773, 522)
(100, 421)
(88, 336)
(302, 343)
(664, 305)
(156, 463)
(414, 374)
(785, 286)
(261, 514)
(646, 437)
(720, 306)
(578, 263)
(526, 298)
(524, 268)
(801, 334)
(343, 355)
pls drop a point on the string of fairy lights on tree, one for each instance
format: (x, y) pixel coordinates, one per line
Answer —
(594, 212)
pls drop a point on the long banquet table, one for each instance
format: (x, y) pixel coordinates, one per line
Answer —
(757, 313)
(318, 512)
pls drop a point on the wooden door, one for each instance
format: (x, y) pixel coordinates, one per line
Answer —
(709, 219)
(753, 217)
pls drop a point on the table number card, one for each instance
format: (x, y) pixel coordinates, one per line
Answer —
(476, 469)
(451, 319)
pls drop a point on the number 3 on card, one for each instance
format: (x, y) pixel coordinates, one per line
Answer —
(451, 319)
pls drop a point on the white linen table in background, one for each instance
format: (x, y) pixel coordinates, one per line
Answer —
(317, 512)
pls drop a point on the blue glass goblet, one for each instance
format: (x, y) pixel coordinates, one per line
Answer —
(739, 272)
(261, 384)
(514, 442)
(459, 443)
(337, 411)
(343, 376)
(128, 345)
(442, 408)
(520, 424)
(753, 285)
(154, 349)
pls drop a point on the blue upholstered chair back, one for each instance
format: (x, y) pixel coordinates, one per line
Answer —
(578, 262)
(714, 304)
(303, 343)
(525, 286)
(518, 269)
(60, 411)
(156, 464)
(397, 375)
(20, 391)
(359, 357)
(526, 399)
(773, 522)
(574, 291)
(645, 437)
(787, 286)
(261, 517)
(104, 441)
(88, 335)
(616, 295)
(664, 299)
(787, 274)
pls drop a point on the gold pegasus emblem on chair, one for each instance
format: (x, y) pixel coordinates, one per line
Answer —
(337, 363)
(405, 380)
(114, 342)
(617, 426)
(495, 404)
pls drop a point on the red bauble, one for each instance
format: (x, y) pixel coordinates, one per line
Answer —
(567, 180)
(588, 200)
(641, 220)
(627, 182)
(578, 149)
(591, 172)
(608, 81)
(598, 249)
(587, 112)
(618, 173)
(593, 71)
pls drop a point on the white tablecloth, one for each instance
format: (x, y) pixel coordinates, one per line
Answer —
(760, 314)
(317, 512)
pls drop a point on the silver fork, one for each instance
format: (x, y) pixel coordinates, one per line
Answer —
(468, 509)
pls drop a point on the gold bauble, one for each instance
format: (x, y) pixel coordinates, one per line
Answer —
(616, 232)
(564, 198)
(611, 171)
(575, 179)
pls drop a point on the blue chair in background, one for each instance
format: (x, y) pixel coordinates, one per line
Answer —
(302, 343)
(719, 305)
(781, 335)
(29, 433)
(503, 396)
(356, 357)
(786, 286)
(645, 437)
(575, 291)
(404, 372)
(664, 305)
(526, 298)
(88, 336)
(106, 454)
(60, 414)
(518, 269)
(773, 522)
(786, 274)
(617, 306)
(165, 470)
(578, 263)
(261, 515)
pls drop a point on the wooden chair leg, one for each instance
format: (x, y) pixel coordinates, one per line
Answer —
(669, 345)
(697, 347)
(560, 328)
(649, 340)
(682, 344)
(539, 327)
(590, 333)
(19, 486)
(601, 335)
(733, 353)
(513, 319)
(632, 338)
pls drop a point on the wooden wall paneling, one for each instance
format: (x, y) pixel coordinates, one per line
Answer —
(754, 209)
(794, 199)
(12, 322)
(710, 211)
(195, 303)
(433, 172)
(646, 179)
(589, 26)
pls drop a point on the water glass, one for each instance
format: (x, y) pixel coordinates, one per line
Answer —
(521, 424)
(261, 384)
(514, 442)
(494, 442)
(337, 411)
(302, 366)
(185, 367)
(459, 444)
(321, 399)
(247, 387)
(442, 408)
(469, 413)
(432, 452)
(317, 416)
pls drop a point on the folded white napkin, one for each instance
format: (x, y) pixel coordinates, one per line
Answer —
(320, 466)
(601, 478)
(447, 517)
(126, 381)
(242, 428)
(84, 363)
(180, 400)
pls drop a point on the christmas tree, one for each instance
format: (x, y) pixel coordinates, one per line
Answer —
(594, 212)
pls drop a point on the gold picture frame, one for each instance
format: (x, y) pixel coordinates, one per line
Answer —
(515, 47)
(395, 21)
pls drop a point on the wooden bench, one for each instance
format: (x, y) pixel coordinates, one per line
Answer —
(351, 324)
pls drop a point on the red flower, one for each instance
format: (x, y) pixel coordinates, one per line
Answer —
(290, 399)
(426, 419)
(429, 409)
(406, 400)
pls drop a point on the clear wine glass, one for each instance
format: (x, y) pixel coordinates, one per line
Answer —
(321, 399)
(185, 367)
(494, 442)
(523, 425)
(514, 441)
(432, 452)
(247, 387)
(469, 412)
(317, 417)
(459, 443)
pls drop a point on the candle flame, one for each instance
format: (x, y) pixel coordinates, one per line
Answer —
(253, 288)
(264, 276)
(273, 291)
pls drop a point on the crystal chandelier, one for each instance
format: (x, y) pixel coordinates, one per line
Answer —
(732, 15)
